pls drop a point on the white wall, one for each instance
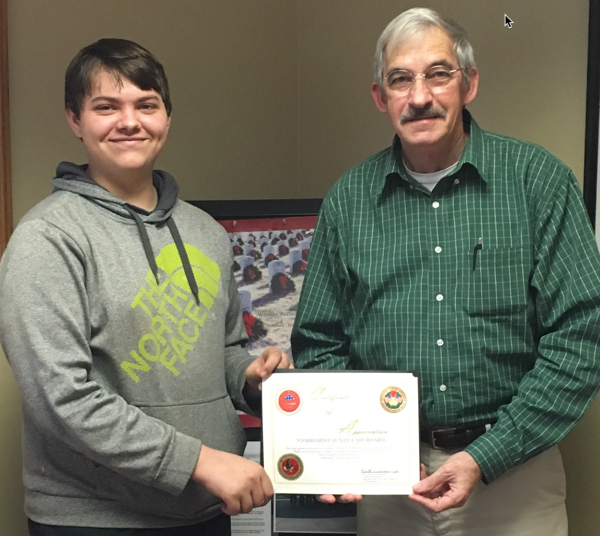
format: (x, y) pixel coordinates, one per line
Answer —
(232, 69)
(519, 94)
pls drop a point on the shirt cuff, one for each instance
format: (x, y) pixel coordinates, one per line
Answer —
(491, 456)
(178, 465)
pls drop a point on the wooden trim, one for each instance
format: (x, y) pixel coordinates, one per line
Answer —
(259, 208)
(6, 223)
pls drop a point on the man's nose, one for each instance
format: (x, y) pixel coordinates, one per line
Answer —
(420, 93)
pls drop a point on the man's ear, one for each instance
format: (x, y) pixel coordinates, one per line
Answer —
(379, 98)
(471, 91)
(74, 122)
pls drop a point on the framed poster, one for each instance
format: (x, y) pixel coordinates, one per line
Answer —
(270, 241)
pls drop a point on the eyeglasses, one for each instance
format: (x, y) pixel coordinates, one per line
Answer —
(437, 76)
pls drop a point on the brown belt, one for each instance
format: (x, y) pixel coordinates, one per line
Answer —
(453, 438)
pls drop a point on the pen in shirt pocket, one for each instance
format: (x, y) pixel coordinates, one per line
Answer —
(478, 246)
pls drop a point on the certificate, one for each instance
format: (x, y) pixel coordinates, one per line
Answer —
(341, 432)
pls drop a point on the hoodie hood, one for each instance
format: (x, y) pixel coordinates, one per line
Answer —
(74, 178)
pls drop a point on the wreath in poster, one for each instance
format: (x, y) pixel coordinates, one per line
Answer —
(281, 284)
(299, 267)
(251, 274)
(254, 327)
(270, 257)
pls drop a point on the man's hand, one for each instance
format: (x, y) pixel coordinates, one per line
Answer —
(241, 484)
(346, 498)
(450, 485)
(263, 366)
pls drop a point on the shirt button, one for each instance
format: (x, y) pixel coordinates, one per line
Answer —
(456, 181)
(439, 297)
(435, 204)
(438, 249)
(443, 388)
(440, 342)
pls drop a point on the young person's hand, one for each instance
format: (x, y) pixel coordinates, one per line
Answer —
(263, 366)
(240, 483)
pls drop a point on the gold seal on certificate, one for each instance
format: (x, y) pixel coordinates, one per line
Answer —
(290, 466)
(341, 432)
(393, 399)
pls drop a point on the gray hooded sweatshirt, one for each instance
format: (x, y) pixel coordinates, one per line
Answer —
(124, 332)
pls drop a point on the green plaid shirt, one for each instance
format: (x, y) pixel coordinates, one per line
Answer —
(488, 287)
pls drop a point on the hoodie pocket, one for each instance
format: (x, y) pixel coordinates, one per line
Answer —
(216, 424)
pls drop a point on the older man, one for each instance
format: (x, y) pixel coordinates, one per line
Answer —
(469, 258)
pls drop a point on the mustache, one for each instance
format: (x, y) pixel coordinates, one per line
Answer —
(414, 114)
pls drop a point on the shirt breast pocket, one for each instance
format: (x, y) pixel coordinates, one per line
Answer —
(497, 282)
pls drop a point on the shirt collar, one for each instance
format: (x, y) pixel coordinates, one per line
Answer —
(473, 155)
(391, 168)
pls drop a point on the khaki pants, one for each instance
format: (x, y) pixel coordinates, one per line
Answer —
(528, 500)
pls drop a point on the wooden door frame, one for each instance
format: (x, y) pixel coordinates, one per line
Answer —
(6, 219)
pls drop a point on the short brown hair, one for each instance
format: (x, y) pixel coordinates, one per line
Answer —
(123, 59)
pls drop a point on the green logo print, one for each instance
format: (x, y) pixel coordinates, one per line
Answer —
(175, 320)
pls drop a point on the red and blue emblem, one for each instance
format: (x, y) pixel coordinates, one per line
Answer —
(289, 401)
(393, 399)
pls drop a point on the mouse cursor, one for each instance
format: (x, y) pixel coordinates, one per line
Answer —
(507, 21)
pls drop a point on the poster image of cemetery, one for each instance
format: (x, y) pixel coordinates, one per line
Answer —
(269, 265)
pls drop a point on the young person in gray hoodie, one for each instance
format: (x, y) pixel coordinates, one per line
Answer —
(121, 320)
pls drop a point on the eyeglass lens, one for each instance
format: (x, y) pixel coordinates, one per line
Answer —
(402, 80)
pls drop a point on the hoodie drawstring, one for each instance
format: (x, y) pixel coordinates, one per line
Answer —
(185, 260)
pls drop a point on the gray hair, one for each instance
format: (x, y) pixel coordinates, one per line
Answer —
(409, 24)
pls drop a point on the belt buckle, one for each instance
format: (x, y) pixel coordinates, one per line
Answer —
(432, 440)
(432, 436)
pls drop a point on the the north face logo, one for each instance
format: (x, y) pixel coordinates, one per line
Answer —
(174, 319)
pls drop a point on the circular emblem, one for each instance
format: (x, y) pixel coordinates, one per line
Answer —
(393, 399)
(288, 401)
(290, 466)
